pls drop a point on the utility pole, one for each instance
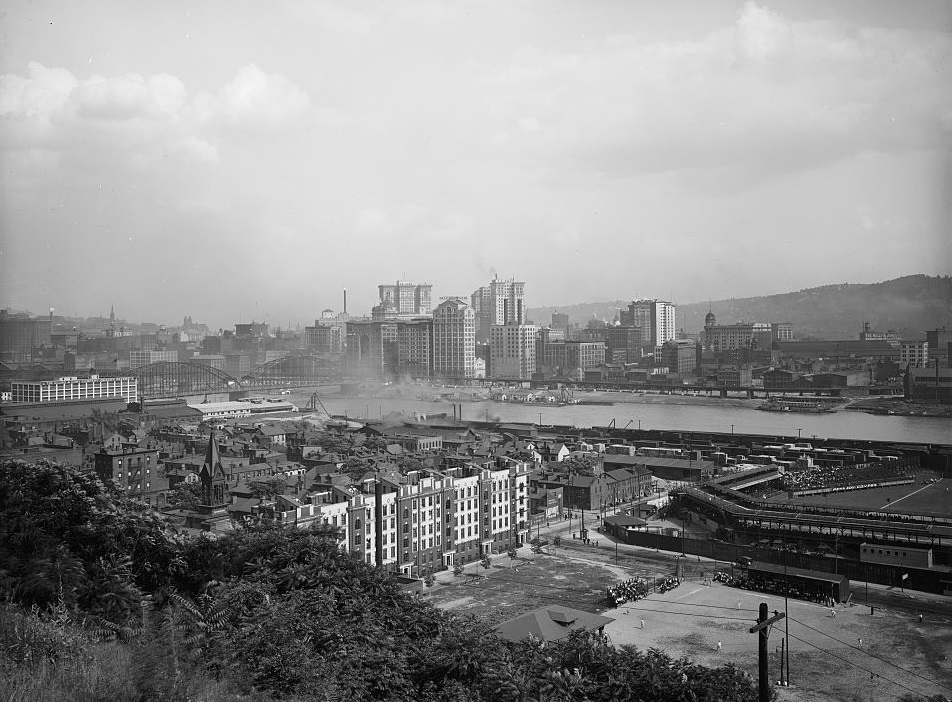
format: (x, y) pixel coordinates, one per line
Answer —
(762, 628)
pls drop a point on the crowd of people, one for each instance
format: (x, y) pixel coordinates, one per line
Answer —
(776, 587)
(835, 476)
(638, 588)
(628, 591)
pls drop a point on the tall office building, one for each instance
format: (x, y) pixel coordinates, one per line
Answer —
(454, 340)
(389, 348)
(512, 351)
(20, 334)
(743, 335)
(404, 300)
(500, 302)
(139, 357)
(656, 319)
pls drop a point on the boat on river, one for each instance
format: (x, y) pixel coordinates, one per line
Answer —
(796, 405)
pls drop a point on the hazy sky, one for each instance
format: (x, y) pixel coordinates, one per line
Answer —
(238, 160)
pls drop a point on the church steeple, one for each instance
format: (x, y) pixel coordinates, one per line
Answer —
(212, 475)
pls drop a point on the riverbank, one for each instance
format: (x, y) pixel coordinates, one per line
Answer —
(900, 407)
(425, 392)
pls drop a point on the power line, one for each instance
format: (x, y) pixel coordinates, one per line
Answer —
(872, 655)
(856, 665)
(701, 604)
(740, 619)
(692, 614)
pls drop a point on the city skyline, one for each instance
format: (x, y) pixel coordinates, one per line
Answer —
(231, 162)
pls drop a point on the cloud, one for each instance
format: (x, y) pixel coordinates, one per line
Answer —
(767, 94)
(37, 95)
(255, 96)
(147, 119)
(150, 119)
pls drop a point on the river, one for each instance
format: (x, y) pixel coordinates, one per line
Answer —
(739, 417)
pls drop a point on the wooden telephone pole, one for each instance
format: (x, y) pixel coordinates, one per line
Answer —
(763, 629)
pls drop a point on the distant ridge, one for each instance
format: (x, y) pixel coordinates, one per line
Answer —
(909, 305)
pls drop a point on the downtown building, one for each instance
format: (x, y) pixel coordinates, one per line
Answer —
(913, 353)
(404, 300)
(454, 340)
(744, 335)
(568, 358)
(139, 358)
(497, 303)
(512, 351)
(656, 319)
(20, 334)
(390, 347)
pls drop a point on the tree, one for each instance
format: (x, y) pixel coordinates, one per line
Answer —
(584, 465)
(513, 553)
(184, 495)
(267, 487)
(409, 463)
(355, 467)
(486, 562)
(65, 535)
(429, 580)
(458, 569)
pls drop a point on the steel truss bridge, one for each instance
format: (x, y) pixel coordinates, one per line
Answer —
(171, 379)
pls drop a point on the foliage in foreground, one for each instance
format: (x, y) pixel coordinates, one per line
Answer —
(105, 603)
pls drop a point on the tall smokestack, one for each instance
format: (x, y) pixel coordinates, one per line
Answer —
(345, 300)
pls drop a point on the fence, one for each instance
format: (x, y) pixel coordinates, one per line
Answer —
(853, 486)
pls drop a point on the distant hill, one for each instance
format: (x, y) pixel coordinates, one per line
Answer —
(909, 305)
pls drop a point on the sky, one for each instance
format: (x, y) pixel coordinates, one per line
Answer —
(238, 161)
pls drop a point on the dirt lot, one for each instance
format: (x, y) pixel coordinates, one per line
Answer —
(897, 653)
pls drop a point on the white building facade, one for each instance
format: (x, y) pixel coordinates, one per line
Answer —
(454, 340)
(69, 388)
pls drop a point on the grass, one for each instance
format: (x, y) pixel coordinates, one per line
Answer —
(933, 498)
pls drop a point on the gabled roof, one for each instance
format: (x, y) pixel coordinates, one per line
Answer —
(272, 430)
(550, 623)
(624, 520)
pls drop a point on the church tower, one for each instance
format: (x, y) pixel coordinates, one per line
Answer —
(212, 477)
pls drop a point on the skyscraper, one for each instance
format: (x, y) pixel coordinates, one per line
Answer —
(405, 299)
(512, 351)
(454, 340)
(500, 302)
(656, 319)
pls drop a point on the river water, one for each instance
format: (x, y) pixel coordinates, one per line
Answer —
(659, 414)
